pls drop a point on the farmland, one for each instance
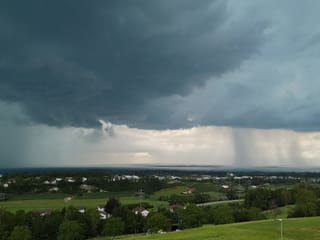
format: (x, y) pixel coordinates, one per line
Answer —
(59, 203)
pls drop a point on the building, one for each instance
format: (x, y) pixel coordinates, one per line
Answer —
(142, 211)
(190, 191)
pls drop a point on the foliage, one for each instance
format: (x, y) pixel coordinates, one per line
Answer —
(259, 198)
(20, 233)
(70, 230)
(307, 203)
(190, 217)
(157, 222)
(112, 205)
(222, 214)
(114, 226)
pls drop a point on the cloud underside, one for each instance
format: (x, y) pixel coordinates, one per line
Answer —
(159, 65)
(71, 64)
(183, 81)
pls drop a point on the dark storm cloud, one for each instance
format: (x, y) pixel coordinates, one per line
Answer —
(71, 63)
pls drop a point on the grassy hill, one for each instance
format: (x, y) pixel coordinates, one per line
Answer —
(294, 229)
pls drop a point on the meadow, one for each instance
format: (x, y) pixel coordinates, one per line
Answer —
(59, 203)
(293, 229)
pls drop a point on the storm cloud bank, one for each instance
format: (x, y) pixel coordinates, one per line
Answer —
(71, 63)
(170, 81)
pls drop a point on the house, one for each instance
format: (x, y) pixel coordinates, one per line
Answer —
(81, 209)
(175, 207)
(190, 191)
(88, 188)
(102, 213)
(142, 211)
(67, 199)
(100, 208)
(42, 212)
(161, 178)
(104, 216)
(54, 189)
(225, 186)
(84, 179)
(70, 180)
(175, 178)
(12, 180)
(54, 182)
(6, 185)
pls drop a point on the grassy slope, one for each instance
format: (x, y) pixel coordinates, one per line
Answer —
(282, 212)
(294, 229)
(169, 191)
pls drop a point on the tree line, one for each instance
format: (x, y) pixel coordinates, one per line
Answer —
(70, 224)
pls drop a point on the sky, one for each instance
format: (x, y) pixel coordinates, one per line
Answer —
(219, 82)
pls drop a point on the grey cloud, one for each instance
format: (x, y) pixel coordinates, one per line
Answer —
(71, 63)
(276, 88)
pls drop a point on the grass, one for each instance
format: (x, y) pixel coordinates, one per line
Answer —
(94, 195)
(281, 212)
(28, 205)
(217, 196)
(204, 186)
(169, 191)
(294, 229)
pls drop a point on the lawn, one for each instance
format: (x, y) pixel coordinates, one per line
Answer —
(94, 195)
(294, 229)
(217, 196)
(204, 186)
(169, 191)
(28, 205)
(281, 212)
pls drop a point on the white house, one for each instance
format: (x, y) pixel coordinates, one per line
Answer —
(142, 211)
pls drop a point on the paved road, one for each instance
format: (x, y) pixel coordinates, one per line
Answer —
(220, 202)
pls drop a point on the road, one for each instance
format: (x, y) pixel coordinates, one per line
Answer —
(219, 202)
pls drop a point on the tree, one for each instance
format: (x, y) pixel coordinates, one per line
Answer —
(241, 214)
(157, 222)
(92, 219)
(306, 203)
(112, 205)
(7, 223)
(20, 233)
(201, 198)
(190, 217)
(114, 226)
(133, 222)
(70, 230)
(259, 198)
(222, 214)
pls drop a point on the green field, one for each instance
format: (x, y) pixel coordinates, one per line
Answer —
(294, 229)
(94, 195)
(203, 186)
(169, 191)
(28, 205)
(281, 212)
